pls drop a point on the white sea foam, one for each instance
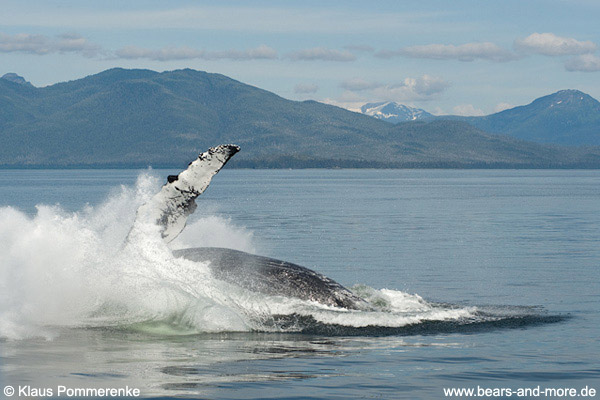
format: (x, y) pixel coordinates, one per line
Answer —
(75, 269)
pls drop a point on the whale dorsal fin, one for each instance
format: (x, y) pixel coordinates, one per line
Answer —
(170, 207)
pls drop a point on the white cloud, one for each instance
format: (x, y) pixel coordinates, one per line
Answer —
(423, 88)
(464, 52)
(360, 47)
(350, 97)
(358, 84)
(467, 110)
(261, 52)
(551, 45)
(164, 54)
(41, 44)
(358, 92)
(502, 106)
(306, 88)
(353, 103)
(322, 54)
(23, 42)
(187, 53)
(438, 111)
(584, 63)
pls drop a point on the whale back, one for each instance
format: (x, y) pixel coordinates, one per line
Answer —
(272, 277)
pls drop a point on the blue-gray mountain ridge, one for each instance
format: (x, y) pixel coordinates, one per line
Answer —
(136, 118)
(567, 117)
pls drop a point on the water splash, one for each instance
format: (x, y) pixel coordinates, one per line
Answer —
(60, 268)
(76, 269)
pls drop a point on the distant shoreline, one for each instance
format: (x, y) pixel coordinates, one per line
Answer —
(307, 167)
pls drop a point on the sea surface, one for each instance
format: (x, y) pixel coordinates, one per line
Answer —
(479, 278)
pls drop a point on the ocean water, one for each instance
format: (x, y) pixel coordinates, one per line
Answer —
(485, 279)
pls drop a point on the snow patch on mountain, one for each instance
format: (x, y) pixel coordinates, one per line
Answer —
(393, 112)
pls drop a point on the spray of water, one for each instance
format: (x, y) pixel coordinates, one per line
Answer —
(76, 269)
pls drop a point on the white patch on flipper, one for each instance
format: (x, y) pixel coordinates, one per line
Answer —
(170, 207)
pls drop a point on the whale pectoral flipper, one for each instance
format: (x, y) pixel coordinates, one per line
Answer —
(170, 207)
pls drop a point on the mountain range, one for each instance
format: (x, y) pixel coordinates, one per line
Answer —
(567, 117)
(136, 118)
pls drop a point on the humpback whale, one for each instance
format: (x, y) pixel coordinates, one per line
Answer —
(168, 211)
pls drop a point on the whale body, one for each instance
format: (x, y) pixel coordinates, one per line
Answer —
(272, 277)
(169, 209)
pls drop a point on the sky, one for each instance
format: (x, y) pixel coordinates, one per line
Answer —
(447, 57)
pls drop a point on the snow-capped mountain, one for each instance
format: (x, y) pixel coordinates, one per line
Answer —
(393, 112)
